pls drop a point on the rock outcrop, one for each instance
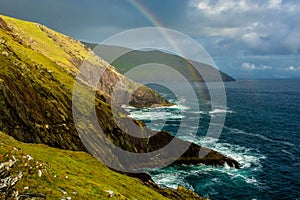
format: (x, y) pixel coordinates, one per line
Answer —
(9, 176)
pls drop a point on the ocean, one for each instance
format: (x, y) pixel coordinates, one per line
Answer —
(261, 131)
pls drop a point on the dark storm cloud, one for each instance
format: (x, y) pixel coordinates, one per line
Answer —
(253, 27)
(77, 18)
(258, 27)
(244, 28)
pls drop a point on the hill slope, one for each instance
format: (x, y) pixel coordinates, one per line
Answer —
(135, 58)
(60, 174)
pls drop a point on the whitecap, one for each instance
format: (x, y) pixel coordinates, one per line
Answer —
(197, 112)
(288, 153)
(226, 166)
(219, 111)
(250, 180)
(178, 106)
(175, 112)
(171, 179)
(246, 157)
(206, 141)
(288, 143)
(238, 131)
(155, 115)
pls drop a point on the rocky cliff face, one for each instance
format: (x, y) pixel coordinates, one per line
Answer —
(37, 72)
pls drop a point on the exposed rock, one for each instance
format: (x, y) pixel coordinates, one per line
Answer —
(8, 182)
(110, 193)
(40, 173)
(3, 25)
(5, 53)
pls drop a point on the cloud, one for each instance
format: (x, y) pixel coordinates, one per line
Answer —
(266, 33)
(274, 4)
(258, 27)
(249, 66)
(224, 27)
(292, 68)
(220, 6)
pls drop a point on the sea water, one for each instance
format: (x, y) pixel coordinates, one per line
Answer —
(261, 131)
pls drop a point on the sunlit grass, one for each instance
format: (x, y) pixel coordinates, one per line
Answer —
(77, 173)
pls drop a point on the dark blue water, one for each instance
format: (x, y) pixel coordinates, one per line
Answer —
(261, 131)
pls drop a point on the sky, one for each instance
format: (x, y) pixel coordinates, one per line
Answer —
(245, 38)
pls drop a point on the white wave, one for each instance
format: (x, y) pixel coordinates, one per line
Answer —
(206, 141)
(288, 153)
(197, 112)
(152, 115)
(226, 166)
(174, 112)
(220, 111)
(288, 143)
(250, 160)
(246, 157)
(172, 179)
(178, 106)
(238, 131)
(250, 180)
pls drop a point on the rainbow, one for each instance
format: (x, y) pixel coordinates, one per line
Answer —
(146, 12)
(156, 23)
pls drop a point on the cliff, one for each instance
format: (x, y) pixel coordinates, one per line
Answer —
(38, 67)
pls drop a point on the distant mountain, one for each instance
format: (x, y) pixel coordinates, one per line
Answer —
(137, 57)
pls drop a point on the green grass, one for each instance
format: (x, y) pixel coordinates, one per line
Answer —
(48, 46)
(77, 173)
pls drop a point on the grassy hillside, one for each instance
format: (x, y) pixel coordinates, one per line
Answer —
(69, 174)
(135, 58)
